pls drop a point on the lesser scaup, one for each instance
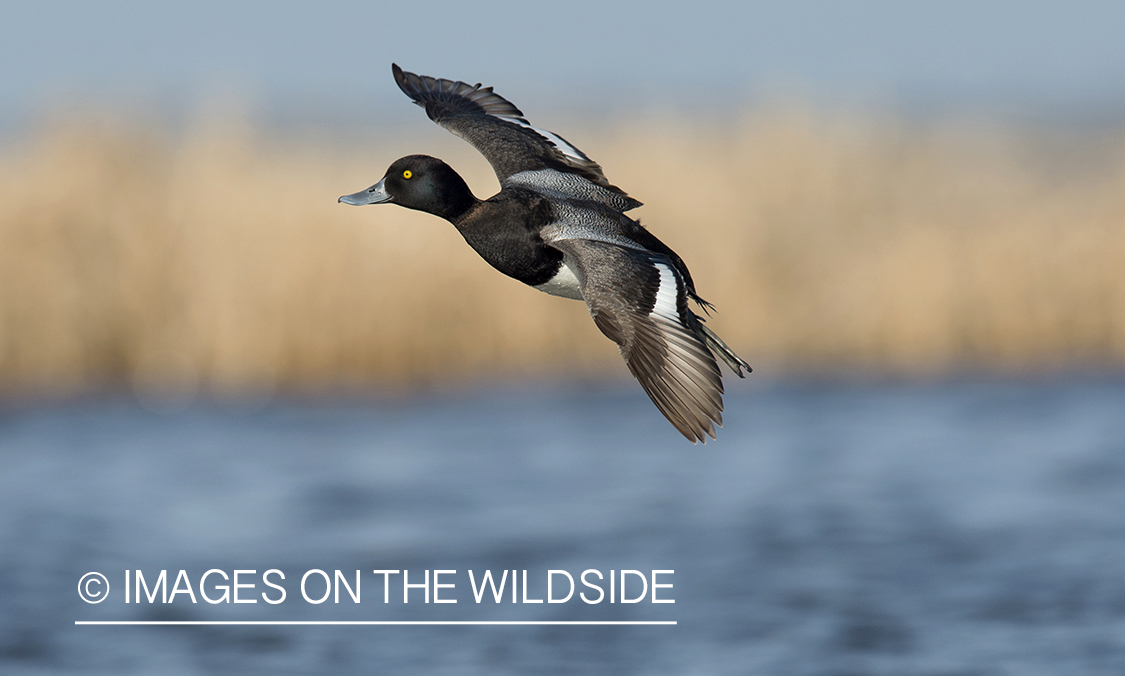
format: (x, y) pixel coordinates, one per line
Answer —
(558, 225)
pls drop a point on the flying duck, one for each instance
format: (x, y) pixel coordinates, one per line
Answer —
(558, 225)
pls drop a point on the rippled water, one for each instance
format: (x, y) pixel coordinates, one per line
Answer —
(963, 528)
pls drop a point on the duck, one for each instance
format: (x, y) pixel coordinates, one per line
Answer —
(559, 226)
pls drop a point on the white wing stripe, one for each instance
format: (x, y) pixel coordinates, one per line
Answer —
(667, 294)
(567, 149)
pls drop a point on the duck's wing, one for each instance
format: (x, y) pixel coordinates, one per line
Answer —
(639, 301)
(496, 128)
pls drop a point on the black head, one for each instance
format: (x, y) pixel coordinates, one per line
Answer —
(419, 182)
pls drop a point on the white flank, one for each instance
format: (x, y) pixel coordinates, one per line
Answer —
(564, 284)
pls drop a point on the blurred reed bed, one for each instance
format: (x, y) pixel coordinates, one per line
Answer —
(217, 258)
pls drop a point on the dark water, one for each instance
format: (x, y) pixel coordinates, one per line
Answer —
(967, 528)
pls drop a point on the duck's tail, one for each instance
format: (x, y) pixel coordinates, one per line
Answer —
(720, 349)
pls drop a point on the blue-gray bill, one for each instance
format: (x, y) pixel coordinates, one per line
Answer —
(376, 194)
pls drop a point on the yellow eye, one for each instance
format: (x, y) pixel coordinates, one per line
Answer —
(407, 174)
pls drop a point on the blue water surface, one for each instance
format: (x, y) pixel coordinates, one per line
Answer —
(834, 528)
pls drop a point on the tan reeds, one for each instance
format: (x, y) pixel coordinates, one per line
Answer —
(219, 259)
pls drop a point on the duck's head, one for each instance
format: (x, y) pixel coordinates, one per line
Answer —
(419, 182)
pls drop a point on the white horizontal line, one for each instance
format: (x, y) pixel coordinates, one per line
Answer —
(371, 622)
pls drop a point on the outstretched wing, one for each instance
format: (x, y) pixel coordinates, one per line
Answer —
(496, 128)
(639, 301)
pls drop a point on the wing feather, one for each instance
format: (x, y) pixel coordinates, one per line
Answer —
(639, 301)
(498, 129)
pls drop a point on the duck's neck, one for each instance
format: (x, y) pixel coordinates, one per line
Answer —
(455, 199)
(455, 212)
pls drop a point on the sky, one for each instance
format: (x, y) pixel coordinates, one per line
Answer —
(334, 58)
